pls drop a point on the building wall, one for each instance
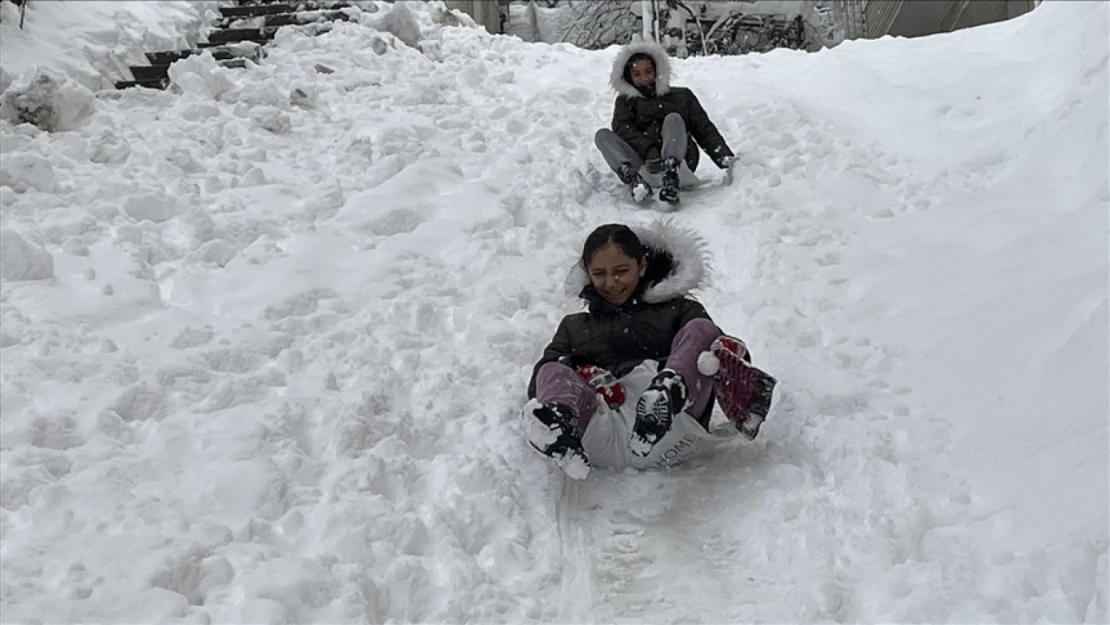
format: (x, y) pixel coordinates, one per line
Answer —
(917, 18)
(879, 15)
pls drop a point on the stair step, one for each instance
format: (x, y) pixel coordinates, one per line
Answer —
(234, 35)
(160, 84)
(219, 44)
(169, 57)
(308, 5)
(148, 73)
(255, 10)
(207, 44)
(158, 76)
(220, 52)
(283, 6)
(292, 18)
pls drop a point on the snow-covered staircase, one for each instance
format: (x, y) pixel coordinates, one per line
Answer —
(230, 43)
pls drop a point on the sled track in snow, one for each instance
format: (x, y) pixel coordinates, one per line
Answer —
(655, 547)
(578, 583)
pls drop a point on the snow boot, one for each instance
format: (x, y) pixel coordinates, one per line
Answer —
(669, 191)
(637, 187)
(664, 398)
(552, 429)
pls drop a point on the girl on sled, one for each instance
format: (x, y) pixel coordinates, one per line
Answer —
(640, 333)
(657, 127)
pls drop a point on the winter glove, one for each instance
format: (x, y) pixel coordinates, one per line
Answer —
(604, 383)
(728, 164)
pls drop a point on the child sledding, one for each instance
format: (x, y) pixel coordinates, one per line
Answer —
(645, 346)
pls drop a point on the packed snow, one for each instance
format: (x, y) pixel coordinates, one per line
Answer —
(266, 336)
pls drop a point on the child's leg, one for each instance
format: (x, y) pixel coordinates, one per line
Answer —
(616, 151)
(556, 418)
(557, 383)
(694, 338)
(674, 138)
(678, 387)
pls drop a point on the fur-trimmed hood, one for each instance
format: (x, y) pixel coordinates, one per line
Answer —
(618, 77)
(677, 259)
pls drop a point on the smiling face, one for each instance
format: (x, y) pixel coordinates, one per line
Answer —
(642, 72)
(615, 274)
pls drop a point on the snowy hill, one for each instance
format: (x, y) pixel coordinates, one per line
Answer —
(262, 359)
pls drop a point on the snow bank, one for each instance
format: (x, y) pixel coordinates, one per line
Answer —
(998, 287)
(980, 258)
(48, 101)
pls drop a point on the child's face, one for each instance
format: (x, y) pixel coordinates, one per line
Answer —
(642, 72)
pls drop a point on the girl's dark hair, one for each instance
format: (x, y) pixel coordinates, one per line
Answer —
(617, 234)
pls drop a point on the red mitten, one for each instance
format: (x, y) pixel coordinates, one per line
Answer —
(603, 382)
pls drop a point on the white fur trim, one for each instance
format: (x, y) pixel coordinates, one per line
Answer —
(690, 258)
(662, 68)
(687, 249)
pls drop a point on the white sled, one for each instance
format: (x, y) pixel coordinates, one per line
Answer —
(608, 436)
(687, 180)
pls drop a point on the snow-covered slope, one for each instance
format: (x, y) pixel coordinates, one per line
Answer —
(264, 341)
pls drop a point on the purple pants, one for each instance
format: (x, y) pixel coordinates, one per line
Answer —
(559, 384)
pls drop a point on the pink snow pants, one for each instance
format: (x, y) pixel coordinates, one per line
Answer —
(559, 384)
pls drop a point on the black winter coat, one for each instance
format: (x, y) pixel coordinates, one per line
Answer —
(638, 114)
(619, 338)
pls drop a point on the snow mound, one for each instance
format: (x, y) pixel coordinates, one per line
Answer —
(401, 23)
(26, 171)
(47, 100)
(200, 75)
(22, 260)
